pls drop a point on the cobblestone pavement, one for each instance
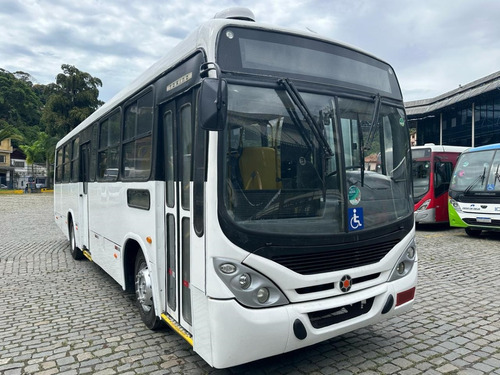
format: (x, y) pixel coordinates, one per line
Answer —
(60, 316)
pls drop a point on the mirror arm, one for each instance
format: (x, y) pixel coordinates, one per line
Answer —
(205, 69)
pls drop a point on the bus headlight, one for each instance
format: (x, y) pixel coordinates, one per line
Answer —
(405, 263)
(455, 205)
(245, 280)
(250, 288)
(263, 295)
(424, 205)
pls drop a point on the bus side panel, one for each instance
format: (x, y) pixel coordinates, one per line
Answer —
(58, 213)
(106, 215)
(113, 221)
(65, 203)
(202, 343)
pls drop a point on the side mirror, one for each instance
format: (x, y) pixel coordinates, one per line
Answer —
(212, 110)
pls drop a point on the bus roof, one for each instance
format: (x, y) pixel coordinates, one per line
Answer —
(202, 38)
(495, 146)
(440, 148)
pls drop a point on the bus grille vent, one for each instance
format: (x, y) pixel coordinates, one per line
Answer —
(493, 223)
(325, 318)
(314, 262)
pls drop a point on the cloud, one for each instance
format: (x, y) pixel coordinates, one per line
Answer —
(433, 46)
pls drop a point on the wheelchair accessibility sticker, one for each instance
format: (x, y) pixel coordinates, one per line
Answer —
(356, 221)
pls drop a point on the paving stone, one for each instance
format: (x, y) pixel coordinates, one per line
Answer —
(63, 318)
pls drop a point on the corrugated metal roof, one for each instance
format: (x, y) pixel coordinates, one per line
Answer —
(470, 90)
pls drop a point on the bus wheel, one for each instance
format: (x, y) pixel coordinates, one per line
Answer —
(76, 253)
(473, 232)
(144, 293)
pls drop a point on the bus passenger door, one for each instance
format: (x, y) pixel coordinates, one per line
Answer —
(177, 129)
(83, 199)
(442, 177)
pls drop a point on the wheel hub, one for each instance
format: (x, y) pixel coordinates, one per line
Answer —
(143, 289)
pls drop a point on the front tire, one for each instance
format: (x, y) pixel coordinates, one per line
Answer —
(473, 232)
(144, 293)
(76, 253)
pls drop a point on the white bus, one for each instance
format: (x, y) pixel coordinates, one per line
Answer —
(474, 195)
(226, 185)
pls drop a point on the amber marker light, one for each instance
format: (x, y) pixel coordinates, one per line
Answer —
(149, 240)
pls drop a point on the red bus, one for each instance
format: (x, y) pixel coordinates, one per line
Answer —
(432, 170)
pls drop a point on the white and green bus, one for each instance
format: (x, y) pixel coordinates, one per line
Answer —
(474, 195)
(227, 186)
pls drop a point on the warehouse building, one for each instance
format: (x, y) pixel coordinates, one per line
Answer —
(466, 116)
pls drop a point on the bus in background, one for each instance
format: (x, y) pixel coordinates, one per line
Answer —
(474, 202)
(227, 187)
(432, 168)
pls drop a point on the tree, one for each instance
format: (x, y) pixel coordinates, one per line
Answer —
(71, 100)
(41, 150)
(48, 147)
(34, 153)
(8, 131)
(20, 106)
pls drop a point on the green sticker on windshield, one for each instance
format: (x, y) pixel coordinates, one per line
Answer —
(354, 195)
(402, 121)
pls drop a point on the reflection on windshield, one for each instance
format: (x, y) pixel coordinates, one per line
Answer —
(279, 178)
(421, 178)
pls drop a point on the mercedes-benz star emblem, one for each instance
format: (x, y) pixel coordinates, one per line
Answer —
(345, 283)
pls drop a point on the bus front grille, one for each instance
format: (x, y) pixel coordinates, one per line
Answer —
(312, 261)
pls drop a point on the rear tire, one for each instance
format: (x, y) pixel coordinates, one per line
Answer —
(144, 293)
(473, 232)
(76, 253)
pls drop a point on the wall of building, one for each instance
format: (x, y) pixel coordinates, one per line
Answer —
(5, 168)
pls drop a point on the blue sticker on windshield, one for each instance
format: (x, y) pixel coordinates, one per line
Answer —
(356, 221)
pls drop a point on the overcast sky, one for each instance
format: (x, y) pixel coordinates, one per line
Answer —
(434, 46)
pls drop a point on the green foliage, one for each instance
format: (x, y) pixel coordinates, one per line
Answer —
(27, 108)
(72, 99)
(8, 131)
(20, 106)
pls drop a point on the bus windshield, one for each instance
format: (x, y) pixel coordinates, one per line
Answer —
(278, 177)
(477, 172)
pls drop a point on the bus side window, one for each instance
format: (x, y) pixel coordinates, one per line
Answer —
(75, 171)
(67, 164)
(59, 165)
(136, 152)
(93, 152)
(109, 138)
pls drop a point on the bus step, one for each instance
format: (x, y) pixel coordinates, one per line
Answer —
(87, 255)
(177, 328)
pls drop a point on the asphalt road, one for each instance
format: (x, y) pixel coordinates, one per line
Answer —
(60, 316)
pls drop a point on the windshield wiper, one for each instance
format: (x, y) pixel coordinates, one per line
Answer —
(373, 123)
(497, 177)
(478, 178)
(371, 135)
(302, 106)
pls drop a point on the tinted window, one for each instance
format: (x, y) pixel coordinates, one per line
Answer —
(109, 138)
(137, 140)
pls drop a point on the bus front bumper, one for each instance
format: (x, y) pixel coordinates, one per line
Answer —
(241, 335)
